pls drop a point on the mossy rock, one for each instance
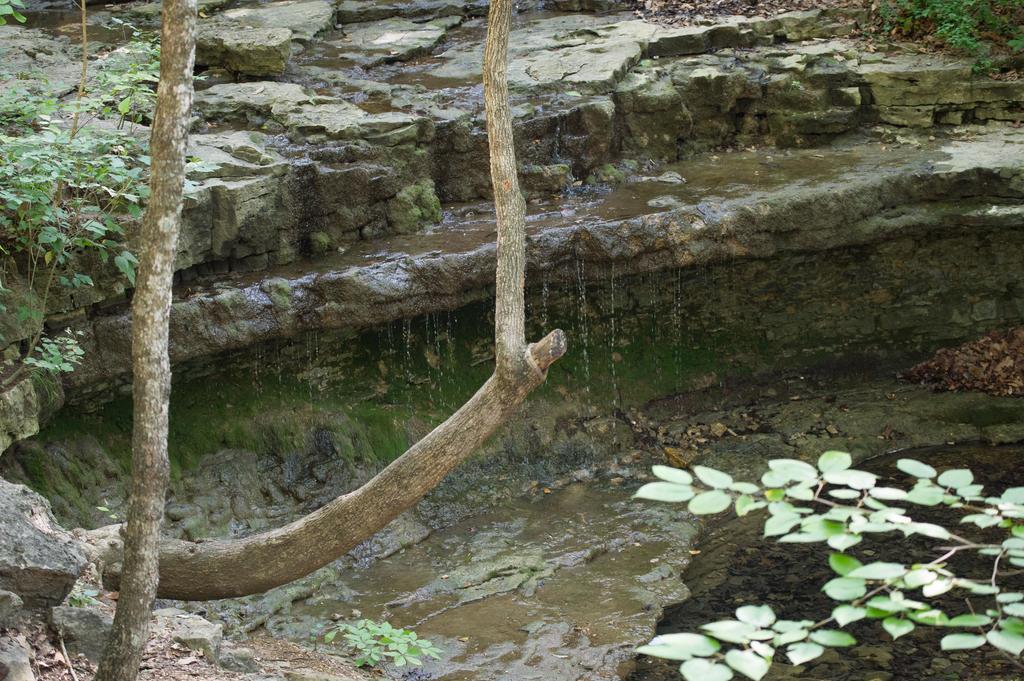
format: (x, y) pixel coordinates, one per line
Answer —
(414, 207)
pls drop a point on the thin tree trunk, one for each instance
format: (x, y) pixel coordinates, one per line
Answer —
(236, 567)
(151, 307)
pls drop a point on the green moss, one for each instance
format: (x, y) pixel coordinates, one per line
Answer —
(414, 207)
(320, 243)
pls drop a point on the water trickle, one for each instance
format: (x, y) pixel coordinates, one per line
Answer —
(544, 303)
(407, 342)
(613, 339)
(581, 286)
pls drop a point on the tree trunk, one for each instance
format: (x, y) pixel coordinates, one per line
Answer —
(151, 368)
(237, 567)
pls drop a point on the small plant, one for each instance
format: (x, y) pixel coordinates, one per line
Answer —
(9, 8)
(82, 596)
(127, 81)
(376, 642)
(835, 504)
(57, 355)
(105, 510)
(974, 27)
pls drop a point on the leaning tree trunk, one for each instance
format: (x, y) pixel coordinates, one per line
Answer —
(151, 306)
(236, 567)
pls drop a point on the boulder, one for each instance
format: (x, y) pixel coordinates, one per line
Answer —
(15, 659)
(83, 629)
(39, 560)
(10, 609)
(19, 413)
(191, 631)
(242, 50)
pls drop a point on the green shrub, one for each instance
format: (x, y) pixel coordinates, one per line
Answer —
(376, 642)
(69, 193)
(974, 27)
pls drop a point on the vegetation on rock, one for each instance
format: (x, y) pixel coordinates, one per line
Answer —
(70, 194)
(975, 27)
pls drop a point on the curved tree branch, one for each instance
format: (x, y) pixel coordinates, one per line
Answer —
(236, 567)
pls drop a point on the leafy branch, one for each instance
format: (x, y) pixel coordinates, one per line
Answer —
(835, 504)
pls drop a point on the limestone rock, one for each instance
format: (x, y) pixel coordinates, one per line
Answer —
(253, 103)
(242, 50)
(19, 413)
(353, 11)
(39, 560)
(191, 631)
(304, 18)
(15, 660)
(389, 40)
(10, 609)
(37, 52)
(83, 629)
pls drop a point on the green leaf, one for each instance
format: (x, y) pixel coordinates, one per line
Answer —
(916, 468)
(956, 478)
(744, 487)
(833, 638)
(780, 524)
(852, 478)
(670, 474)
(794, 469)
(1004, 640)
(748, 663)
(888, 493)
(962, 641)
(845, 614)
(937, 588)
(832, 461)
(790, 637)
(879, 570)
(730, 630)
(925, 495)
(746, 503)
(970, 620)
(706, 503)
(665, 491)
(1014, 495)
(804, 652)
(703, 670)
(841, 542)
(680, 646)
(845, 589)
(712, 478)
(760, 616)
(897, 626)
(843, 564)
(918, 578)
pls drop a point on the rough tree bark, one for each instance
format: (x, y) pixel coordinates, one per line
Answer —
(151, 306)
(236, 567)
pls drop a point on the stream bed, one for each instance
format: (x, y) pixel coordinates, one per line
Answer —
(560, 585)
